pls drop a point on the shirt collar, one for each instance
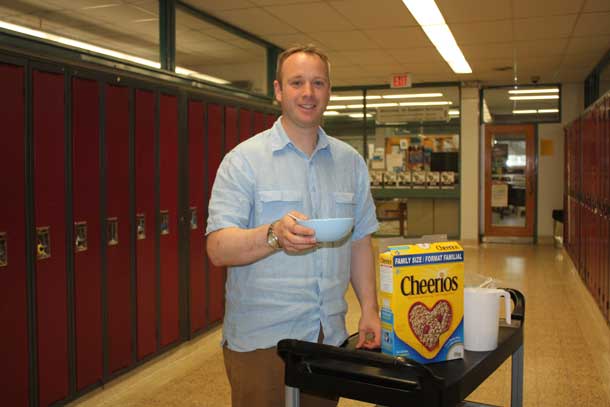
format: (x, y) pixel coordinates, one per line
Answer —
(279, 138)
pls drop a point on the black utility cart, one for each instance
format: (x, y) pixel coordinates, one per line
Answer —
(395, 381)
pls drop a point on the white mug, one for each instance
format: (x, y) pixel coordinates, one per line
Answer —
(481, 317)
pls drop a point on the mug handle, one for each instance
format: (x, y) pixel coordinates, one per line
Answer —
(507, 302)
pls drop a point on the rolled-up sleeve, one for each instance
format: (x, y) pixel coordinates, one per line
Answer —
(232, 195)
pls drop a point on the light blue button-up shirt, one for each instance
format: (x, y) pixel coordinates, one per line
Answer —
(287, 295)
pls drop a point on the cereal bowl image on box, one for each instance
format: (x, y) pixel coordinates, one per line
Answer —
(329, 229)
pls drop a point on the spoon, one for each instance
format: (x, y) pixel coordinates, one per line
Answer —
(294, 217)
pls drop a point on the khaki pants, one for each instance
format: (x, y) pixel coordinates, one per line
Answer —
(257, 380)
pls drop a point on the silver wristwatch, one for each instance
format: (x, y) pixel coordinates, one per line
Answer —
(272, 239)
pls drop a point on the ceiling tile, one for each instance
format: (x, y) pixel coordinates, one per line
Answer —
(481, 32)
(290, 40)
(593, 24)
(461, 11)
(399, 38)
(529, 8)
(544, 27)
(487, 51)
(541, 47)
(215, 5)
(385, 13)
(582, 61)
(368, 57)
(256, 21)
(579, 45)
(346, 40)
(426, 55)
(311, 17)
(596, 5)
(272, 2)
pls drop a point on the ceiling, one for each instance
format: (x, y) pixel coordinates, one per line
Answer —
(367, 41)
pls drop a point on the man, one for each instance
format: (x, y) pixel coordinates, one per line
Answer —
(281, 282)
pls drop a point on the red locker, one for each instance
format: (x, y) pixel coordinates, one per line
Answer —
(168, 145)
(215, 153)
(269, 120)
(49, 213)
(259, 123)
(87, 230)
(118, 253)
(231, 133)
(146, 279)
(245, 124)
(198, 289)
(13, 307)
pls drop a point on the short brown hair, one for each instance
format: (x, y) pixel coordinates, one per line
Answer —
(308, 49)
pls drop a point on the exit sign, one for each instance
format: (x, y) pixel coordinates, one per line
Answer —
(401, 80)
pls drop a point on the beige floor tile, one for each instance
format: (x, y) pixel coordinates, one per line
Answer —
(567, 344)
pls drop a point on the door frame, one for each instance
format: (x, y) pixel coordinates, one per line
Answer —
(529, 230)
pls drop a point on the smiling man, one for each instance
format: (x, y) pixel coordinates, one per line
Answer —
(281, 283)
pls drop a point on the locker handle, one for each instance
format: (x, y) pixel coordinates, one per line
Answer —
(3, 250)
(81, 242)
(43, 242)
(141, 226)
(193, 221)
(164, 222)
(112, 225)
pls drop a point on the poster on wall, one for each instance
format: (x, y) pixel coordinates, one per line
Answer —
(499, 195)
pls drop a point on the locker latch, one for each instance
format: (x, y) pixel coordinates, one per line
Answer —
(193, 210)
(164, 222)
(113, 231)
(80, 236)
(43, 242)
(3, 250)
(141, 226)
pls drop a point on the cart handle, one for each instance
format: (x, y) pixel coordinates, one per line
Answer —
(297, 351)
(519, 301)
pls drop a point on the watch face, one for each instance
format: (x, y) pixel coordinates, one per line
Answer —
(272, 239)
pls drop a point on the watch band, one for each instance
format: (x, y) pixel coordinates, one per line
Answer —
(272, 240)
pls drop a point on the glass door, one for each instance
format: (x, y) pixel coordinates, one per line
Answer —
(510, 181)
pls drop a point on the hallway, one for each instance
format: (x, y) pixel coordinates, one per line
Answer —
(567, 344)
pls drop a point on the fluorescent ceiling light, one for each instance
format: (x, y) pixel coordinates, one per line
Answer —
(413, 95)
(454, 112)
(331, 113)
(431, 20)
(534, 111)
(523, 91)
(108, 52)
(534, 97)
(425, 103)
(336, 107)
(371, 97)
(359, 115)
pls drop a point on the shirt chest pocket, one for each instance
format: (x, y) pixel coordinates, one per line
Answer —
(275, 204)
(344, 204)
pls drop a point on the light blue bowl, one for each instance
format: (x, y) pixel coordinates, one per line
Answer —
(330, 229)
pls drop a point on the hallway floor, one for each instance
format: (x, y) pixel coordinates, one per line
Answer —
(567, 344)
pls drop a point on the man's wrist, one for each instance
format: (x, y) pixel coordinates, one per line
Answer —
(272, 240)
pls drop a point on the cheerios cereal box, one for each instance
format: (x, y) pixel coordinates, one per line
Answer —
(422, 295)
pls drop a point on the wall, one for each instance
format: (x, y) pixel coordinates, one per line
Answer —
(469, 208)
(551, 167)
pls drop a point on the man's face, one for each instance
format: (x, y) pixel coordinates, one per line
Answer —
(305, 90)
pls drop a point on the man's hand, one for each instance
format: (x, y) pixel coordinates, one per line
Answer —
(294, 237)
(369, 331)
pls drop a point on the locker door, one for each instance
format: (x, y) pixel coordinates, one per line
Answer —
(118, 229)
(168, 145)
(231, 133)
(197, 253)
(13, 279)
(50, 219)
(87, 231)
(259, 123)
(245, 124)
(145, 223)
(215, 152)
